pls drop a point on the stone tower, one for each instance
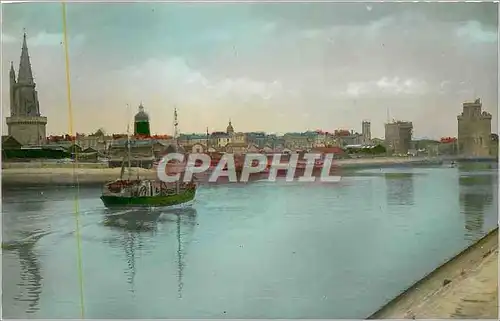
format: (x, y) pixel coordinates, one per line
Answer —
(141, 123)
(474, 130)
(398, 136)
(25, 123)
(366, 132)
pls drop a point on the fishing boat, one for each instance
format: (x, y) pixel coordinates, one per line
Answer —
(129, 192)
(148, 193)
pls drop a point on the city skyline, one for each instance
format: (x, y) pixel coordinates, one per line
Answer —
(268, 67)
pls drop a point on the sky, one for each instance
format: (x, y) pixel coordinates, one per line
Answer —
(268, 67)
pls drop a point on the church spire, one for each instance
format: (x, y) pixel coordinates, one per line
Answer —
(12, 78)
(12, 72)
(25, 75)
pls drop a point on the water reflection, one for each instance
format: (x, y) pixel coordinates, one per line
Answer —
(30, 284)
(185, 221)
(136, 224)
(24, 224)
(400, 189)
(135, 220)
(476, 185)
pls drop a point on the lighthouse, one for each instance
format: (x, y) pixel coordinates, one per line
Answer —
(141, 123)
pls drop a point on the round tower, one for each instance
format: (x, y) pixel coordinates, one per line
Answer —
(141, 123)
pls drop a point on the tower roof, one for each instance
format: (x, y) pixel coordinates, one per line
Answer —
(12, 71)
(25, 75)
(229, 128)
(141, 115)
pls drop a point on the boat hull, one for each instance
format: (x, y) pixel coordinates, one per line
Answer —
(204, 178)
(149, 201)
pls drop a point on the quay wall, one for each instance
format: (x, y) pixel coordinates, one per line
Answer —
(49, 164)
(451, 270)
(362, 163)
(46, 173)
(67, 176)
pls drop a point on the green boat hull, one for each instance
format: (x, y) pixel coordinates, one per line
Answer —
(145, 201)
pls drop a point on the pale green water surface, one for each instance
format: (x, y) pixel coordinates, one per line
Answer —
(262, 250)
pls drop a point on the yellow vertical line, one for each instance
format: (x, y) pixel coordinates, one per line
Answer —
(75, 165)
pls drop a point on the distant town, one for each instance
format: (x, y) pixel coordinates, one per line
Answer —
(27, 137)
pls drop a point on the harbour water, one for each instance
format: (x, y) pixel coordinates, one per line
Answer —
(261, 250)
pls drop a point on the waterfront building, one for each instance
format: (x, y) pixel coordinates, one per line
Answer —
(366, 132)
(474, 130)
(237, 142)
(324, 139)
(192, 139)
(25, 123)
(335, 150)
(447, 146)
(320, 138)
(299, 141)
(97, 141)
(239, 138)
(196, 148)
(141, 123)
(257, 138)
(142, 152)
(9, 144)
(219, 140)
(378, 141)
(276, 142)
(494, 145)
(229, 128)
(398, 137)
(252, 148)
(331, 140)
(236, 148)
(195, 143)
(347, 137)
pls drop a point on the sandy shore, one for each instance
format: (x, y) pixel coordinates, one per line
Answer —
(66, 176)
(471, 289)
(62, 174)
(20, 165)
(385, 161)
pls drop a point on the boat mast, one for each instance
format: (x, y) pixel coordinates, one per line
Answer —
(208, 139)
(180, 263)
(128, 140)
(176, 129)
(176, 140)
(122, 171)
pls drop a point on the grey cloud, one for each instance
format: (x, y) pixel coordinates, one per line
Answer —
(307, 15)
(338, 62)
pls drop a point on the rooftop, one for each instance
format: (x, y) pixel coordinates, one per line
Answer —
(477, 101)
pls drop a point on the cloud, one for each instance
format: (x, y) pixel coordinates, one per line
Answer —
(474, 31)
(175, 77)
(8, 38)
(246, 61)
(44, 39)
(362, 31)
(408, 24)
(269, 27)
(386, 86)
(247, 88)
